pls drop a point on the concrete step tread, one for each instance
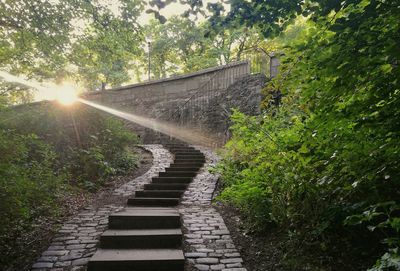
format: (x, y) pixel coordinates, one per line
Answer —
(153, 201)
(185, 152)
(183, 165)
(189, 160)
(188, 163)
(132, 211)
(181, 172)
(172, 178)
(107, 255)
(163, 191)
(182, 168)
(162, 180)
(177, 174)
(189, 154)
(169, 185)
(189, 157)
(155, 198)
(160, 193)
(142, 232)
(145, 218)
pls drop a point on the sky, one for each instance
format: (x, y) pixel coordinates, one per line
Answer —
(170, 10)
(45, 90)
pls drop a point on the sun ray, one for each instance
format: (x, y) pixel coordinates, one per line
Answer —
(66, 94)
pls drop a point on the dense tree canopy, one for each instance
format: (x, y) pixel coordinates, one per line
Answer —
(105, 50)
(99, 44)
(180, 45)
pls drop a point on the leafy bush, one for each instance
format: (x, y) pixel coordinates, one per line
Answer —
(48, 151)
(89, 144)
(29, 187)
(325, 166)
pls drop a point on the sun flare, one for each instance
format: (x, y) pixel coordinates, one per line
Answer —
(67, 94)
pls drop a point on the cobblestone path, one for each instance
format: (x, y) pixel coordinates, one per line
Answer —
(208, 242)
(208, 245)
(76, 241)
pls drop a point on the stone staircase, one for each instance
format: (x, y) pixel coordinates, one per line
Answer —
(147, 235)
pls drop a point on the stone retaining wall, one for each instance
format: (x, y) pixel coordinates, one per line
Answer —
(141, 98)
(232, 87)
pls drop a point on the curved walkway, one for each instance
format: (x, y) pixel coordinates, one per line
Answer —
(77, 239)
(208, 242)
(208, 245)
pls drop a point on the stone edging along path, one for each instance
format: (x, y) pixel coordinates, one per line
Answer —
(208, 245)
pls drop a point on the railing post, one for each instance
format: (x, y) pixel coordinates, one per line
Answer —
(263, 64)
(274, 65)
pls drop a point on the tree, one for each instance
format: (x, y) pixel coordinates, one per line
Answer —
(14, 93)
(163, 54)
(35, 35)
(110, 43)
(181, 45)
(43, 38)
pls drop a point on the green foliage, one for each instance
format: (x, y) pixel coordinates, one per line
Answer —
(109, 43)
(389, 261)
(325, 166)
(29, 187)
(12, 93)
(92, 145)
(48, 151)
(34, 34)
(88, 41)
(101, 44)
(181, 46)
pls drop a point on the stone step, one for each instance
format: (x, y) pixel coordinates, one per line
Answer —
(169, 146)
(189, 155)
(185, 164)
(184, 154)
(166, 180)
(165, 186)
(187, 160)
(184, 150)
(177, 174)
(192, 169)
(145, 218)
(197, 156)
(137, 259)
(138, 201)
(188, 152)
(146, 238)
(160, 193)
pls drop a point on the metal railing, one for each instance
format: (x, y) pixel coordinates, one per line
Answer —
(192, 114)
(189, 113)
(259, 59)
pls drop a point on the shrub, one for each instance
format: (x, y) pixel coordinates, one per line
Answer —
(325, 166)
(48, 151)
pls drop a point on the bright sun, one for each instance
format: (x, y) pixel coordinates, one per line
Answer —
(66, 94)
